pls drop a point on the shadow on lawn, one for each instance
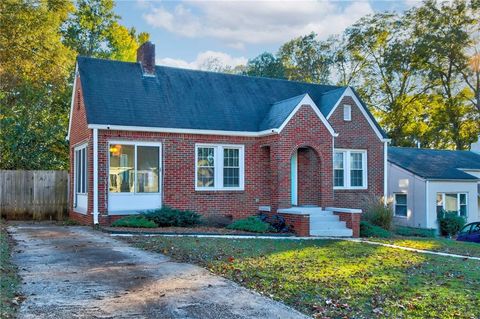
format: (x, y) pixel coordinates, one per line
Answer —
(337, 278)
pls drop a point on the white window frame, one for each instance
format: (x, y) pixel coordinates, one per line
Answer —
(458, 201)
(395, 204)
(75, 167)
(136, 144)
(218, 167)
(347, 112)
(346, 167)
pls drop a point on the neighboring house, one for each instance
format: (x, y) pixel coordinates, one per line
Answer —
(143, 136)
(424, 181)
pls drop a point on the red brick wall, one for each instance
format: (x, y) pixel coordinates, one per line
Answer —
(352, 221)
(300, 224)
(80, 134)
(308, 176)
(358, 134)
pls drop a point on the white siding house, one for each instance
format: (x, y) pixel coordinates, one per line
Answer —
(421, 182)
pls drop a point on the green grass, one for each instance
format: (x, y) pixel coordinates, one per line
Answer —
(435, 244)
(9, 280)
(337, 279)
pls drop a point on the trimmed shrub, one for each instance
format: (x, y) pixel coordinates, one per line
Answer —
(413, 231)
(369, 230)
(378, 214)
(137, 221)
(167, 216)
(252, 224)
(450, 223)
(220, 221)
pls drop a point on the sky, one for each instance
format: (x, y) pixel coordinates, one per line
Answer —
(187, 33)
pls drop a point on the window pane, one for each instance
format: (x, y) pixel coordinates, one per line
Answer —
(401, 199)
(400, 210)
(463, 199)
(206, 167)
(84, 169)
(356, 161)
(439, 199)
(122, 168)
(451, 202)
(78, 179)
(463, 210)
(231, 168)
(338, 161)
(147, 169)
(356, 178)
(338, 177)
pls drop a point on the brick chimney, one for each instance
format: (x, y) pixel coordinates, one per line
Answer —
(146, 57)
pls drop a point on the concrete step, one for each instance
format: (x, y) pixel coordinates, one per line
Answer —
(324, 218)
(346, 232)
(328, 225)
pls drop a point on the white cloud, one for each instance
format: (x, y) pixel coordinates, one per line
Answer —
(246, 21)
(203, 60)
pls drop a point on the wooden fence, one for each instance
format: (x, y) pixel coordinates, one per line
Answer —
(37, 195)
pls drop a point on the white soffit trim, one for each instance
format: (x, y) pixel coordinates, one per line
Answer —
(71, 102)
(349, 92)
(181, 131)
(307, 100)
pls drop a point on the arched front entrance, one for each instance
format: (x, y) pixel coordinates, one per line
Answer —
(305, 182)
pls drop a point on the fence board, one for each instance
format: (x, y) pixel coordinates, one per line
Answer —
(37, 195)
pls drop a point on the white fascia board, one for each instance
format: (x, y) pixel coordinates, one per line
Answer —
(307, 100)
(71, 102)
(349, 92)
(181, 131)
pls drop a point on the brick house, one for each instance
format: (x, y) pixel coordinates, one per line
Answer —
(142, 136)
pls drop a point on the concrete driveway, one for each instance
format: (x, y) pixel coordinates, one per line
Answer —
(75, 272)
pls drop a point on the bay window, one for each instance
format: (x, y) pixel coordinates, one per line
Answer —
(219, 167)
(350, 169)
(452, 202)
(134, 168)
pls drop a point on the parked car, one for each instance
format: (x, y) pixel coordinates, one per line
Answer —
(470, 232)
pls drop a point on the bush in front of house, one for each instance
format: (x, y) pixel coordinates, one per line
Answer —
(277, 222)
(450, 223)
(415, 232)
(369, 230)
(168, 217)
(378, 214)
(136, 221)
(251, 224)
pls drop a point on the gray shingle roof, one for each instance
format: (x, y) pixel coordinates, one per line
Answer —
(116, 93)
(435, 164)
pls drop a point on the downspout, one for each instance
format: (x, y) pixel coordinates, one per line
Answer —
(385, 173)
(95, 176)
(427, 206)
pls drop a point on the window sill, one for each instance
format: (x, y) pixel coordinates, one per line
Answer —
(399, 216)
(350, 188)
(131, 194)
(219, 189)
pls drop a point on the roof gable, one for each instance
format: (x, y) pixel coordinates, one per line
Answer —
(117, 94)
(435, 164)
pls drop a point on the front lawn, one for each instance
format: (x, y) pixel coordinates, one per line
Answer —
(435, 244)
(337, 279)
(8, 276)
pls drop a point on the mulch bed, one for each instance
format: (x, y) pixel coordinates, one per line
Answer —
(200, 230)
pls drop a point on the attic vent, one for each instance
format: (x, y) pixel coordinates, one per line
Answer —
(78, 100)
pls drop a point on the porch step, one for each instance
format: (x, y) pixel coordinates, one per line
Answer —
(345, 232)
(322, 222)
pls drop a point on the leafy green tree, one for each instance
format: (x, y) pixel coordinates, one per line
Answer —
(306, 59)
(265, 65)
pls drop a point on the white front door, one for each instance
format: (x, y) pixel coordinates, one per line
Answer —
(294, 178)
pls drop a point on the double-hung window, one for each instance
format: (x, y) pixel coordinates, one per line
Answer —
(350, 169)
(80, 163)
(134, 168)
(453, 202)
(219, 167)
(400, 205)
